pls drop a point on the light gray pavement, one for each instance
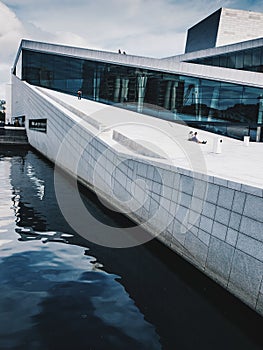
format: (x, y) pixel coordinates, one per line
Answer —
(237, 162)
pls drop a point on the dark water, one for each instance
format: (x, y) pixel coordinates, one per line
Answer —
(59, 291)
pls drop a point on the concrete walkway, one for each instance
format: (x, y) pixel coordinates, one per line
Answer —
(236, 162)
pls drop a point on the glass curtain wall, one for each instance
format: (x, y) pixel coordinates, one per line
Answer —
(250, 60)
(204, 103)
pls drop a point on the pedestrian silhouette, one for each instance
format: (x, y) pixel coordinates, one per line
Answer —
(79, 94)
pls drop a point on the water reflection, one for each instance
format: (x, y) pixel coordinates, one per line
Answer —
(56, 286)
(28, 234)
(61, 292)
(38, 183)
(59, 289)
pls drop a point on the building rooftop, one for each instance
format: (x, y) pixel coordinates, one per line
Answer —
(182, 68)
(214, 51)
(223, 27)
(166, 142)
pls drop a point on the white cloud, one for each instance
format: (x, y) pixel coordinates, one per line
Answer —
(10, 34)
(140, 27)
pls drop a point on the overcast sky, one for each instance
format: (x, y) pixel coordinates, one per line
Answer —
(155, 28)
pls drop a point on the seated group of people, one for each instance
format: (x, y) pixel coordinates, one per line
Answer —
(192, 136)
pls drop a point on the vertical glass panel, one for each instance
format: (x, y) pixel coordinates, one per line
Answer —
(239, 60)
(215, 61)
(247, 58)
(231, 60)
(250, 102)
(229, 102)
(256, 57)
(261, 56)
(210, 99)
(208, 61)
(223, 61)
(200, 61)
(189, 95)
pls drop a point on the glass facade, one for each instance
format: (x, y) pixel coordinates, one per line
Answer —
(221, 107)
(249, 59)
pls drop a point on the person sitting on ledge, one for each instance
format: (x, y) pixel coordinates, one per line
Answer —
(195, 139)
(190, 136)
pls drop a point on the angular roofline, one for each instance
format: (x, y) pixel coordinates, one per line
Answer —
(214, 51)
(164, 65)
(221, 9)
(204, 19)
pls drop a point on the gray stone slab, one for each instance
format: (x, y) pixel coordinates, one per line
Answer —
(231, 236)
(182, 214)
(173, 208)
(220, 181)
(194, 230)
(196, 248)
(234, 185)
(147, 203)
(219, 259)
(167, 192)
(239, 202)
(170, 219)
(200, 189)
(186, 172)
(212, 193)
(250, 246)
(122, 165)
(177, 181)
(245, 277)
(197, 204)
(157, 188)
(193, 218)
(144, 214)
(176, 195)
(253, 207)
(225, 197)
(185, 200)
(164, 218)
(206, 224)
(187, 184)
(209, 210)
(157, 175)
(178, 232)
(154, 206)
(204, 237)
(219, 230)
(168, 177)
(252, 228)
(222, 215)
(252, 190)
(234, 221)
(165, 203)
(150, 171)
(130, 163)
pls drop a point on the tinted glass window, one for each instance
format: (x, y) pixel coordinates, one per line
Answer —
(159, 94)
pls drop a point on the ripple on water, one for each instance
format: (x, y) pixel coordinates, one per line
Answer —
(57, 294)
(50, 284)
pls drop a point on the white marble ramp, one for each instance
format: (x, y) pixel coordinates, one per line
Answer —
(236, 162)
